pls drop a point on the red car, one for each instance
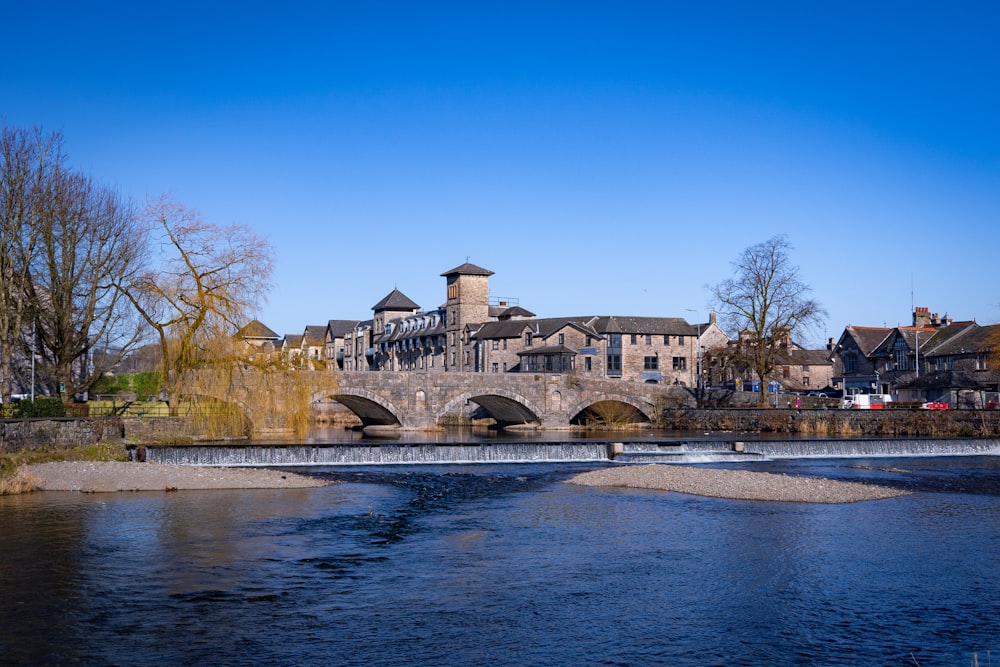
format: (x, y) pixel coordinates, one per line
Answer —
(936, 405)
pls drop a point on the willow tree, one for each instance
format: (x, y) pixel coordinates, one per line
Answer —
(764, 304)
(200, 285)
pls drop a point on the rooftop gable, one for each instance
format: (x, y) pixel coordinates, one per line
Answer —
(257, 329)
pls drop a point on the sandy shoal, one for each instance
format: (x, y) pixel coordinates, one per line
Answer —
(107, 476)
(734, 484)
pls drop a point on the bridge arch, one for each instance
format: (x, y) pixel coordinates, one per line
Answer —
(644, 408)
(505, 406)
(371, 408)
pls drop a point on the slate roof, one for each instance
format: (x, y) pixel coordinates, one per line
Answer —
(338, 328)
(674, 326)
(468, 269)
(514, 311)
(867, 338)
(802, 357)
(960, 338)
(314, 334)
(547, 349)
(540, 327)
(395, 300)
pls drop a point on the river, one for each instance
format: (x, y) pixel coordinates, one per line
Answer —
(506, 564)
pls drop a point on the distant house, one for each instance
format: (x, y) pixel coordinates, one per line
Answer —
(800, 369)
(334, 337)
(313, 344)
(291, 349)
(796, 368)
(260, 337)
(935, 358)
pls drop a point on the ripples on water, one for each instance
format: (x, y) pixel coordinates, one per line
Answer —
(475, 565)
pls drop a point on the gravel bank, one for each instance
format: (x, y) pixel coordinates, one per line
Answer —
(106, 476)
(734, 484)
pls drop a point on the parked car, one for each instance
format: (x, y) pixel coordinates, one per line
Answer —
(935, 405)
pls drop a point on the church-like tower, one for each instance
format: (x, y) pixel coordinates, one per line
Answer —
(467, 304)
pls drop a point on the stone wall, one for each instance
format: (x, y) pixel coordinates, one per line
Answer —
(21, 434)
(840, 423)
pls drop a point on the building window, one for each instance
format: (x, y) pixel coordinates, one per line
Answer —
(680, 363)
(850, 362)
(505, 343)
(587, 365)
(496, 344)
(981, 362)
(589, 342)
(615, 341)
(562, 339)
(505, 367)
(901, 360)
(650, 363)
(453, 291)
(496, 367)
(633, 339)
(786, 372)
(666, 340)
(649, 339)
(614, 364)
(528, 336)
(680, 341)
(805, 380)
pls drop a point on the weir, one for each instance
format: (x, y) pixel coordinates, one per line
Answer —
(378, 453)
(623, 451)
(872, 448)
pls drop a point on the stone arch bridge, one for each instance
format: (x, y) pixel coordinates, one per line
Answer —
(422, 401)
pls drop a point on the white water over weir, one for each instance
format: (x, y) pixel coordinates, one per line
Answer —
(680, 451)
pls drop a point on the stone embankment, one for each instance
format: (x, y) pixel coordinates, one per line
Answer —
(892, 423)
(734, 484)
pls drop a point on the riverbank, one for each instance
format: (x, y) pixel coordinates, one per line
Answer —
(110, 476)
(734, 484)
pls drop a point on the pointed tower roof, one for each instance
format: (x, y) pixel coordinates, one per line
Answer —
(468, 269)
(395, 300)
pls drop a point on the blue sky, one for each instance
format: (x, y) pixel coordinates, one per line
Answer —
(601, 158)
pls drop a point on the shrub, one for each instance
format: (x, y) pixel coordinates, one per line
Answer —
(41, 407)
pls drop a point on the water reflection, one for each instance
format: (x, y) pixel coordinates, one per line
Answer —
(459, 565)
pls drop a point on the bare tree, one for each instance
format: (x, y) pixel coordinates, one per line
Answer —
(203, 282)
(88, 243)
(28, 158)
(764, 303)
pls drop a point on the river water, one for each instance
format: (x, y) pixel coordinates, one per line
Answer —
(507, 564)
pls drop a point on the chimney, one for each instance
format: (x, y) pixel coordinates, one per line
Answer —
(921, 317)
(711, 317)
